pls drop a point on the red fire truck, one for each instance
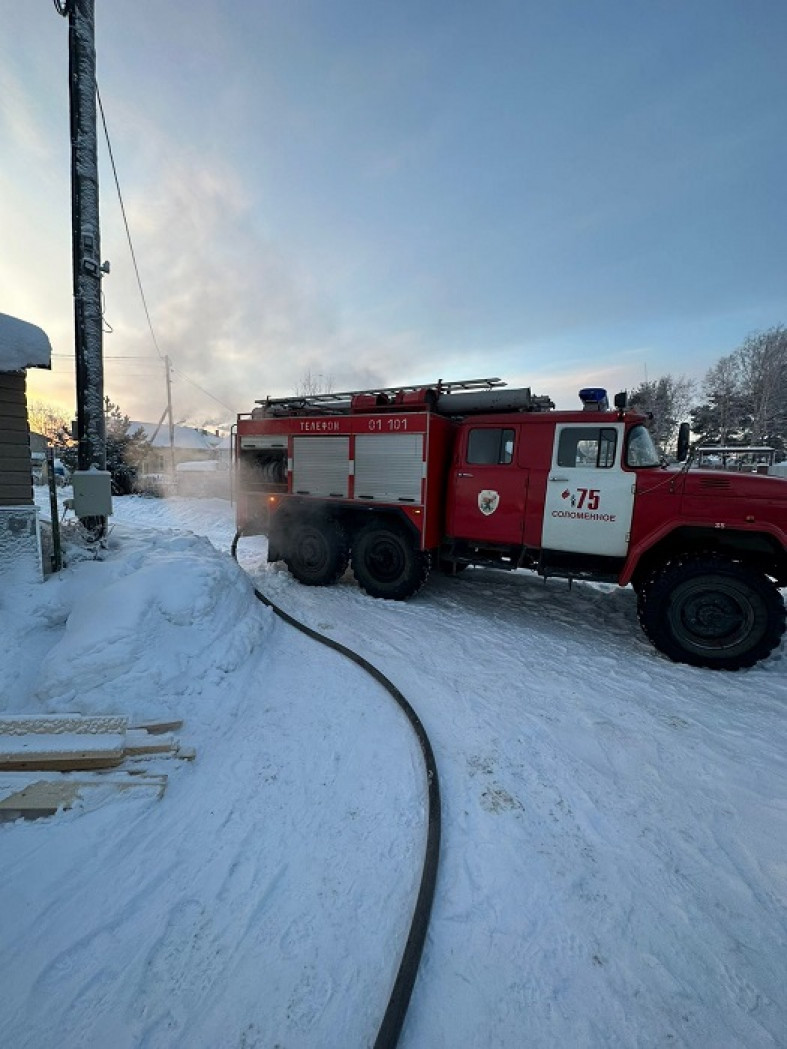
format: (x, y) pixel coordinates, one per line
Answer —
(395, 481)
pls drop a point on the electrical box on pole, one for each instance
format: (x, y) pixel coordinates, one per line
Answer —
(92, 493)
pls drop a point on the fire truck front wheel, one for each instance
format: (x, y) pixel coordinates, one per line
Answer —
(386, 564)
(710, 612)
(317, 552)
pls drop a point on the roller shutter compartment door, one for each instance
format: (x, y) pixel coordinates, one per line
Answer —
(389, 468)
(320, 466)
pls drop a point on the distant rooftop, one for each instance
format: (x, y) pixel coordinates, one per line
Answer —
(186, 437)
(22, 345)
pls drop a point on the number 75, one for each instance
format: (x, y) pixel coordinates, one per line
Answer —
(588, 498)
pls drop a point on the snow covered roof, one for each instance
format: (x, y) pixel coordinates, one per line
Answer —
(22, 345)
(186, 437)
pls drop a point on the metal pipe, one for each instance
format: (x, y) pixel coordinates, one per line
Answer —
(484, 401)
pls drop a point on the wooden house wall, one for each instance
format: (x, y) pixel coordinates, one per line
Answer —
(16, 484)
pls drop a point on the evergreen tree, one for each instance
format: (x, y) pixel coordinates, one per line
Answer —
(125, 451)
(667, 400)
(720, 418)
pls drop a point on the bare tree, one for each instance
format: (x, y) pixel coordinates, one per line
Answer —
(745, 394)
(312, 384)
(763, 368)
(48, 420)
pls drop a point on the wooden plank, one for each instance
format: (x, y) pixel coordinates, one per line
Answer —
(13, 382)
(23, 724)
(144, 744)
(15, 449)
(16, 478)
(13, 408)
(15, 457)
(71, 762)
(16, 495)
(14, 460)
(13, 433)
(10, 428)
(156, 727)
(71, 742)
(32, 795)
(141, 742)
(63, 750)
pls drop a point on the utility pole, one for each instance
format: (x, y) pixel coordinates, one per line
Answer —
(167, 414)
(85, 234)
(167, 365)
(91, 482)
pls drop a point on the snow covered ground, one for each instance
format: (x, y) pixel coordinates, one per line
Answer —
(614, 864)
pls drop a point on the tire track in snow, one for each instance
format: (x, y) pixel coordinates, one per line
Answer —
(609, 772)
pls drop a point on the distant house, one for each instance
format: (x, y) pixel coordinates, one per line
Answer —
(22, 346)
(189, 445)
(201, 459)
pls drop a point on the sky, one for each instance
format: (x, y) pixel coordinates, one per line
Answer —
(371, 193)
(612, 859)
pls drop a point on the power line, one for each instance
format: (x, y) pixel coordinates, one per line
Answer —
(184, 376)
(112, 357)
(125, 222)
(140, 357)
(136, 267)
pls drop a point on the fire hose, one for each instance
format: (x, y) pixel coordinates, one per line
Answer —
(399, 1000)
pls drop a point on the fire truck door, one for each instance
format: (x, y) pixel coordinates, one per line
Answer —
(488, 490)
(589, 499)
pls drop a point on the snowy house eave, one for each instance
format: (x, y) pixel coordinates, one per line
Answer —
(23, 345)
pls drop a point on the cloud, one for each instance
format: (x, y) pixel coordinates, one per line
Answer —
(237, 314)
(22, 129)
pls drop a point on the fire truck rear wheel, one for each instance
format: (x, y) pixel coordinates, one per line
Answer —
(710, 612)
(317, 552)
(386, 564)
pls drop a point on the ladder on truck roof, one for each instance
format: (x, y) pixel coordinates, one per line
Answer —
(461, 398)
(338, 400)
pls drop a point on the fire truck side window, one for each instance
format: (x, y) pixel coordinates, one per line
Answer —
(588, 446)
(641, 450)
(490, 446)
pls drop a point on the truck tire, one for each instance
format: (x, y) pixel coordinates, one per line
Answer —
(386, 564)
(710, 612)
(317, 552)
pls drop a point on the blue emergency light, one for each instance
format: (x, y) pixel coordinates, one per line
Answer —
(594, 399)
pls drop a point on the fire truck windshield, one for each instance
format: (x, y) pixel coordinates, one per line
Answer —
(641, 451)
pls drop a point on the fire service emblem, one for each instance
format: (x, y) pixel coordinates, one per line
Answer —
(488, 501)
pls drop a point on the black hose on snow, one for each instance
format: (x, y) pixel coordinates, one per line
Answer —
(396, 1010)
